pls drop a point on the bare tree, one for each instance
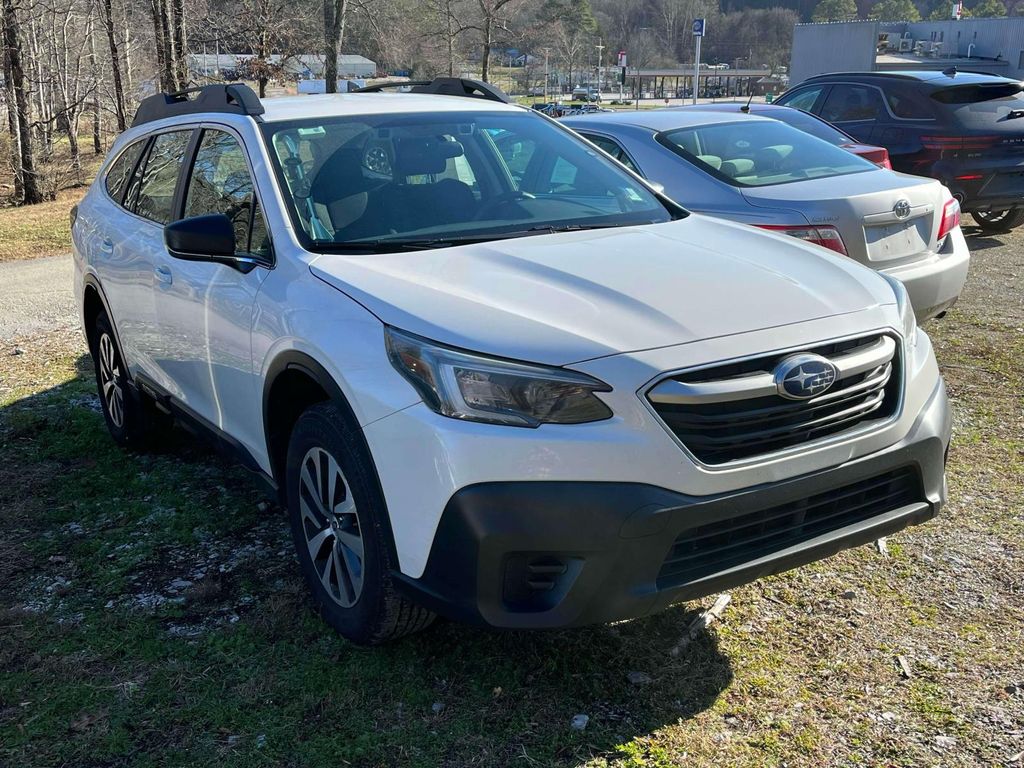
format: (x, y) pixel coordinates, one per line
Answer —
(334, 31)
(492, 19)
(12, 115)
(31, 191)
(115, 63)
(450, 27)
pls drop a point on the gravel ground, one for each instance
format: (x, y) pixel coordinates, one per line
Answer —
(35, 296)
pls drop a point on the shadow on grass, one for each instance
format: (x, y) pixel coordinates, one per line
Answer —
(156, 617)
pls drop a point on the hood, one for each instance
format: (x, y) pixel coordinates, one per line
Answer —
(575, 296)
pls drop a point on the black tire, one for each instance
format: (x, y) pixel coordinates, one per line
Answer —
(132, 419)
(357, 597)
(999, 221)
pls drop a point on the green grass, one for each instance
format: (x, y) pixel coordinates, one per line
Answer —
(236, 669)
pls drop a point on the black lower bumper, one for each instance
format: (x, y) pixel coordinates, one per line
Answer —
(558, 554)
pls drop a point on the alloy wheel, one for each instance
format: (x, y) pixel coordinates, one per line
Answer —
(330, 523)
(110, 380)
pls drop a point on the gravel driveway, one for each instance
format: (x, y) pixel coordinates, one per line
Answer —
(35, 296)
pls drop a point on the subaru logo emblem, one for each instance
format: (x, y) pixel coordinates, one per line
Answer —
(902, 209)
(801, 377)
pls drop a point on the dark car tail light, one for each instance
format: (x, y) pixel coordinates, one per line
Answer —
(950, 218)
(826, 237)
(958, 143)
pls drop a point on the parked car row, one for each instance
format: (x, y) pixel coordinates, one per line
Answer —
(756, 170)
(965, 129)
(493, 374)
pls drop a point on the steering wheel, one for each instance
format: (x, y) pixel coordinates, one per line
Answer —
(511, 196)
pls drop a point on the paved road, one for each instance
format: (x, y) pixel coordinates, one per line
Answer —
(35, 296)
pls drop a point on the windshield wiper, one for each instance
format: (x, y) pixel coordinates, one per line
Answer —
(555, 228)
(394, 246)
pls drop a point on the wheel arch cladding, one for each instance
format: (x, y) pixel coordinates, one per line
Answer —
(294, 382)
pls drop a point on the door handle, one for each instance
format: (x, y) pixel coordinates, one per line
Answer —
(163, 274)
(107, 246)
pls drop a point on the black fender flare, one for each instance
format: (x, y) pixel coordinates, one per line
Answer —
(294, 360)
(91, 281)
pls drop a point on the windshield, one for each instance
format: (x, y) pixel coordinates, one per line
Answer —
(371, 182)
(769, 153)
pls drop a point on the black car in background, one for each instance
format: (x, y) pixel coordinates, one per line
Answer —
(965, 129)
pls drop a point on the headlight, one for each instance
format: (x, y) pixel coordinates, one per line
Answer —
(907, 317)
(463, 385)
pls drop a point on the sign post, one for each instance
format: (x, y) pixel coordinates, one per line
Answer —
(699, 27)
(622, 66)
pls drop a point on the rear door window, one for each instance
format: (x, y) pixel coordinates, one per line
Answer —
(804, 99)
(159, 180)
(614, 149)
(121, 169)
(847, 103)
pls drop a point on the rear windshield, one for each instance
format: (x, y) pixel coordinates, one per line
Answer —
(429, 179)
(983, 106)
(809, 124)
(774, 153)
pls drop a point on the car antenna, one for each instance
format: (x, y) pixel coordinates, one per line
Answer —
(745, 109)
(951, 72)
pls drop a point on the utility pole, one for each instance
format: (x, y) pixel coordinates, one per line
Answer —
(547, 75)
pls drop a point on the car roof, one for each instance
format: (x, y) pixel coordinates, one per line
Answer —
(930, 76)
(342, 104)
(658, 119)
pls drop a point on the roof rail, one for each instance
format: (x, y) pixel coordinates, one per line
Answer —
(233, 98)
(445, 86)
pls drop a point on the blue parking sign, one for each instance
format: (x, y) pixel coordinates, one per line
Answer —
(699, 26)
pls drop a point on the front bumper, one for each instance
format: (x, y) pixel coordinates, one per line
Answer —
(559, 554)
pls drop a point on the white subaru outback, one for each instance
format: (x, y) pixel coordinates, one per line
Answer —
(492, 374)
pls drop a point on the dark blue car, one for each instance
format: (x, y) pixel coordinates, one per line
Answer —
(965, 129)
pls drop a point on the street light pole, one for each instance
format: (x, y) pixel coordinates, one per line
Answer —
(600, 57)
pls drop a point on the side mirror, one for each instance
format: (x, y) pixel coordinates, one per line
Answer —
(206, 238)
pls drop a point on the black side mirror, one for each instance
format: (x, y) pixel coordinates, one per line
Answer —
(206, 238)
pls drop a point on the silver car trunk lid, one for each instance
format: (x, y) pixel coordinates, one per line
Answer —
(885, 218)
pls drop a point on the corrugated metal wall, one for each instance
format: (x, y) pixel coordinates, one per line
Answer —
(839, 47)
(845, 46)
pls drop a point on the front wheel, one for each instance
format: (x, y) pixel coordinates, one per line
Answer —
(999, 221)
(337, 515)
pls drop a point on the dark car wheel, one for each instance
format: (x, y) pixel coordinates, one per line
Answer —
(337, 515)
(999, 221)
(132, 418)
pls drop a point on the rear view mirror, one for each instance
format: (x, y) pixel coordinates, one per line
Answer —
(206, 238)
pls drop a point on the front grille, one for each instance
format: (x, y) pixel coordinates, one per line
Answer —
(723, 544)
(734, 411)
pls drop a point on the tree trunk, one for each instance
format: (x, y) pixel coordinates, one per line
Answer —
(12, 118)
(164, 45)
(485, 63)
(94, 73)
(334, 32)
(178, 44)
(115, 65)
(31, 192)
